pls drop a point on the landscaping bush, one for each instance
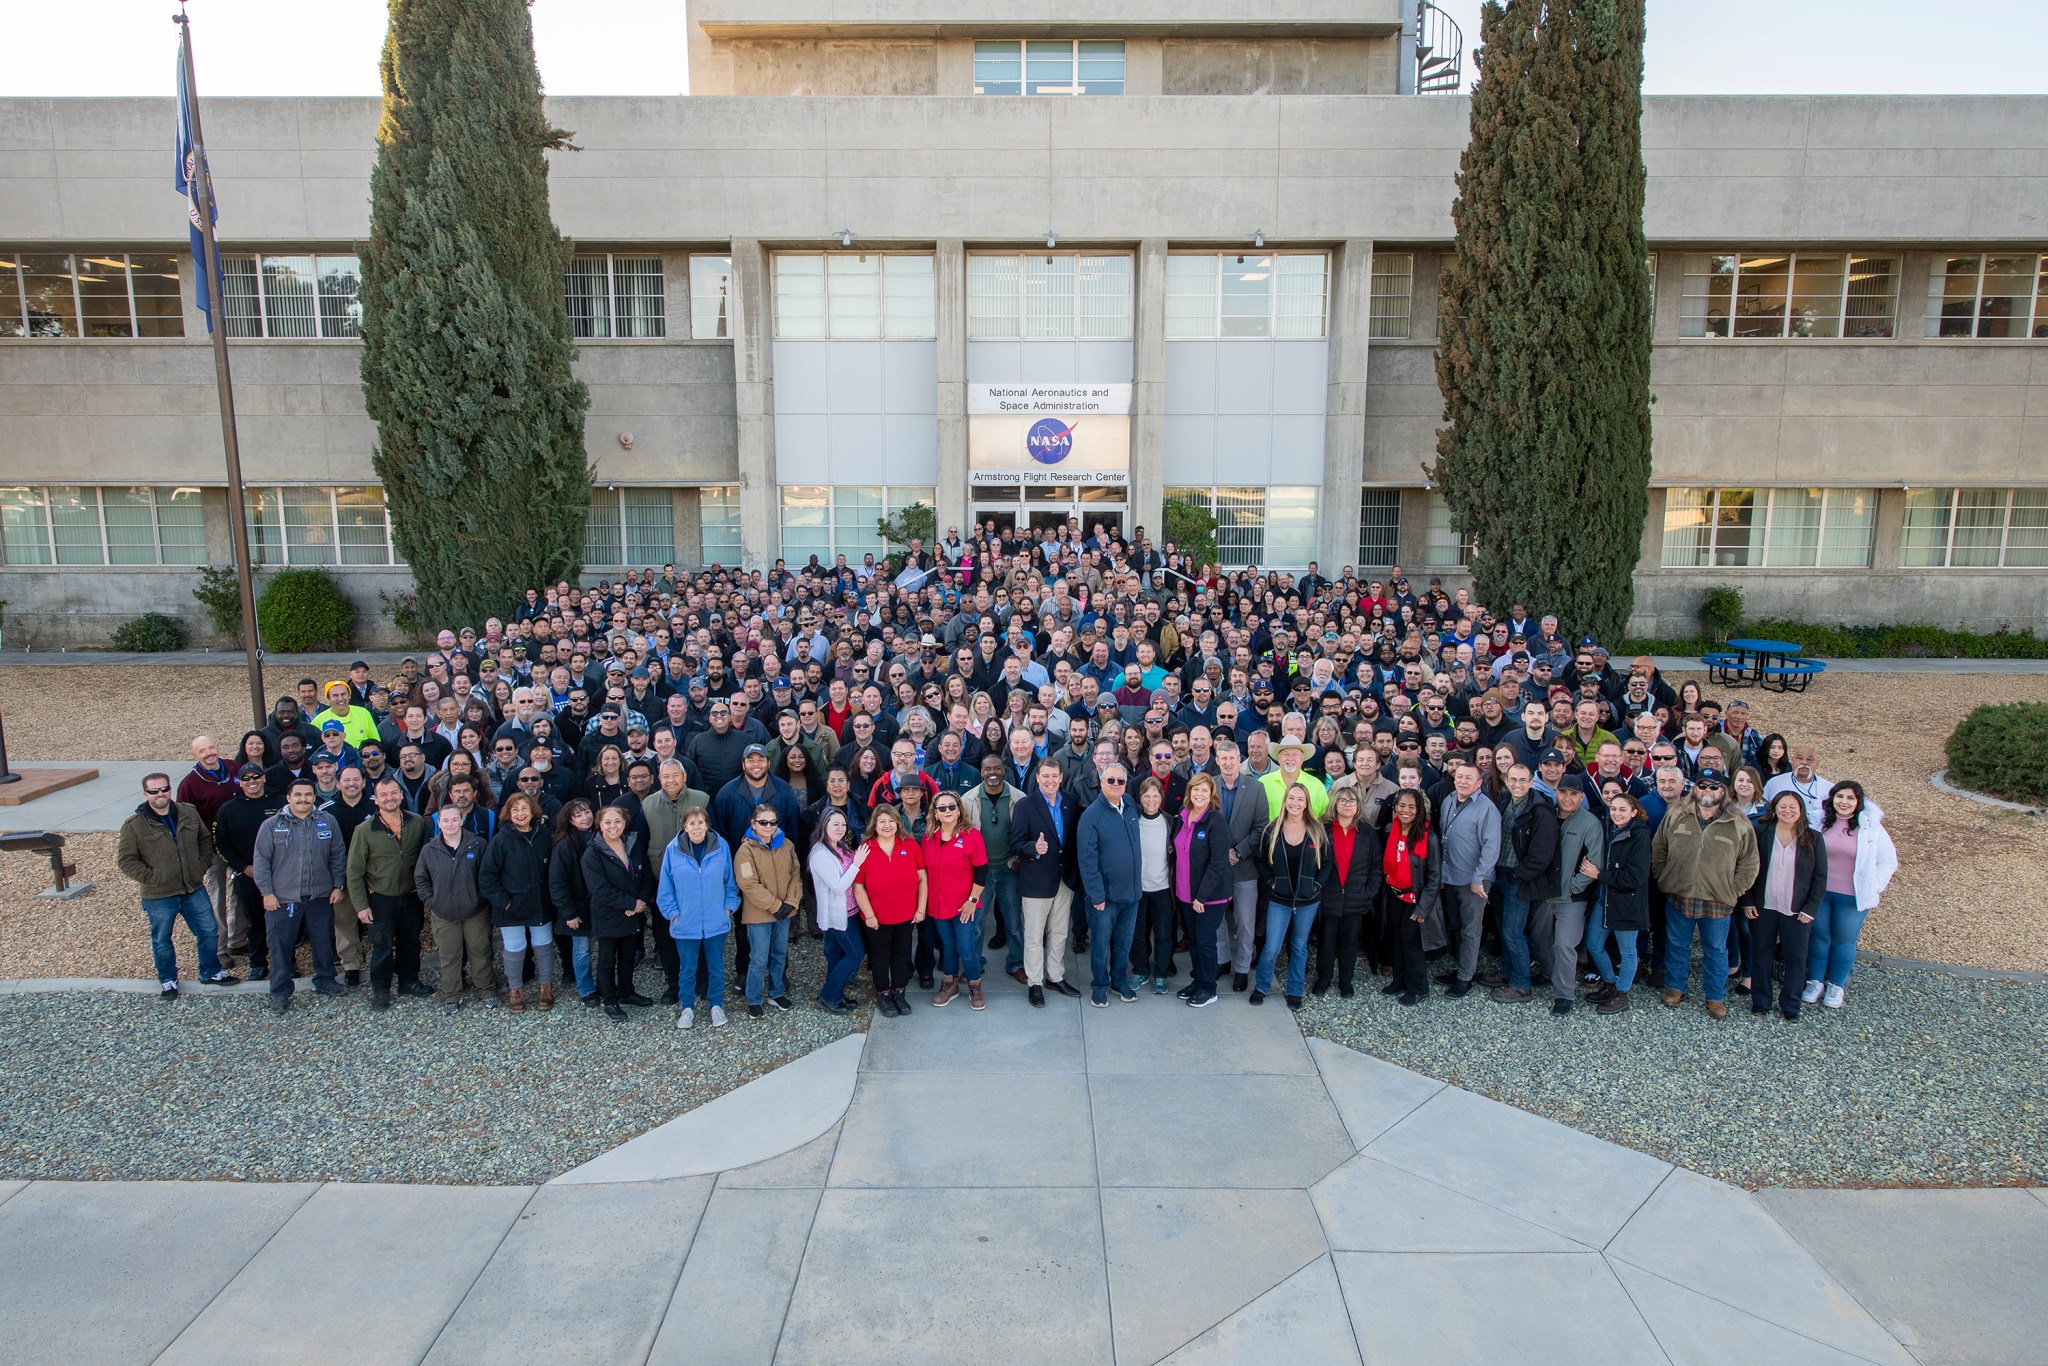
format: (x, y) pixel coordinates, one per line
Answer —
(305, 609)
(220, 593)
(1720, 611)
(2002, 751)
(150, 633)
(1914, 640)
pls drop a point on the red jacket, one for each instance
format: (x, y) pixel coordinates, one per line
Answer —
(208, 794)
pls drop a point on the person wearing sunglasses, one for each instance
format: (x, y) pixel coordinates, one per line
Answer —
(956, 869)
(770, 880)
(166, 849)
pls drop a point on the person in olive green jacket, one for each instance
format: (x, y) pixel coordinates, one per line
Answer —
(382, 857)
(166, 848)
(771, 883)
(1705, 859)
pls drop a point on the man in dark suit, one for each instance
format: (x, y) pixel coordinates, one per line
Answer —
(1042, 838)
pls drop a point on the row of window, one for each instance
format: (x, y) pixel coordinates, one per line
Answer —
(1836, 528)
(1258, 526)
(80, 524)
(635, 528)
(841, 519)
(116, 294)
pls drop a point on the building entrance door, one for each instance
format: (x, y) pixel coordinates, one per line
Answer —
(1047, 507)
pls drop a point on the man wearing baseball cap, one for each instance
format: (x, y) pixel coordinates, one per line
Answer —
(1704, 857)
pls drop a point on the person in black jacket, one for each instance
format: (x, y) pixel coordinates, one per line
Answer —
(234, 838)
(1780, 905)
(514, 883)
(1294, 859)
(1211, 883)
(621, 888)
(1042, 838)
(1411, 863)
(575, 828)
(1353, 895)
(1529, 867)
(1623, 906)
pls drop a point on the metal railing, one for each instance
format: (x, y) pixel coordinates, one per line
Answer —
(1439, 52)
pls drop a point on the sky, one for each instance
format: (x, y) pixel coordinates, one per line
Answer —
(636, 47)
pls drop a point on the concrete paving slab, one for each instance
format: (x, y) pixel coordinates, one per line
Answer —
(102, 804)
(1694, 1330)
(1301, 1321)
(10, 1189)
(1955, 1275)
(1225, 1132)
(1369, 1206)
(75, 1254)
(617, 1248)
(804, 1169)
(1160, 1035)
(1715, 1239)
(956, 1262)
(734, 1291)
(948, 1129)
(767, 1117)
(1371, 1095)
(1555, 1310)
(1179, 1258)
(1543, 1172)
(1009, 1036)
(411, 1251)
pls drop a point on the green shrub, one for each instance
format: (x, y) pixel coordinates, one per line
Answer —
(1915, 640)
(1720, 611)
(220, 593)
(1192, 530)
(150, 633)
(2002, 751)
(403, 612)
(305, 609)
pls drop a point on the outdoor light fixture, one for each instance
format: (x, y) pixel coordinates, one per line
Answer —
(1052, 239)
(1258, 237)
(626, 441)
(845, 236)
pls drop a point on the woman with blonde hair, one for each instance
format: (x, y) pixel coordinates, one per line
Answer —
(1294, 859)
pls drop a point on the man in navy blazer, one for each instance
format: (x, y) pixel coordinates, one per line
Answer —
(1042, 838)
(1110, 865)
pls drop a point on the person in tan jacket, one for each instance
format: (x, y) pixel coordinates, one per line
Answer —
(770, 879)
(1705, 859)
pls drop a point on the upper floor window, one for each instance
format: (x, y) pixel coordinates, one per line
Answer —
(1048, 295)
(1768, 528)
(847, 295)
(1444, 546)
(1228, 294)
(1379, 527)
(1975, 529)
(114, 294)
(1049, 66)
(1988, 296)
(291, 296)
(117, 525)
(1806, 294)
(615, 296)
(1393, 276)
(306, 526)
(710, 297)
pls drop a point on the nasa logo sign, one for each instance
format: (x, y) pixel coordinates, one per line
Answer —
(1049, 441)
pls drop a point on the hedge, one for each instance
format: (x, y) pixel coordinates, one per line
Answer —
(305, 609)
(2001, 750)
(1911, 641)
(150, 633)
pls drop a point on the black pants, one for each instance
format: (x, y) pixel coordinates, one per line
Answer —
(889, 955)
(615, 967)
(1153, 939)
(1411, 969)
(248, 899)
(1337, 948)
(283, 926)
(395, 942)
(1781, 939)
(666, 954)
(1207, 921)
(924, 952)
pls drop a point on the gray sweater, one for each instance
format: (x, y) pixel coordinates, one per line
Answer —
(1578, 836)
(300, 860)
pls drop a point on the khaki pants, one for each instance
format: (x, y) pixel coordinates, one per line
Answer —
(348, 936)
(217, 889)
(455, 939)
(1045, 921)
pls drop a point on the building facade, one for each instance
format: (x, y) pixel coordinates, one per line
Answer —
(1071, 261)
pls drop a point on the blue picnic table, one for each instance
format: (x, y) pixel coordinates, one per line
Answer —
(1776, 664)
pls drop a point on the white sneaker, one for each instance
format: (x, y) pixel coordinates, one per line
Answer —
(686, 1019)
(1812, 992)
(718, 1017)
(1833, 999)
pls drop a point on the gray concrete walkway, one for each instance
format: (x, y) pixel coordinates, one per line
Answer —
(101, 804)
(1138, 1184)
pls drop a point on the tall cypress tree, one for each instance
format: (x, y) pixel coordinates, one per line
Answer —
(467, 350)
(1544, 358)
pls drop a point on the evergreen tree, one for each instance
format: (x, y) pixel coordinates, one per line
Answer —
(1544, 358)
(467, 350)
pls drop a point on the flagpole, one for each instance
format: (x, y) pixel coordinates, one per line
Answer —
(238, 528)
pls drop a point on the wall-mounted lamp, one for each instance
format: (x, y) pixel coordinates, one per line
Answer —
(1905, 487)
(845, 236)
(1259, 237)
(625, 441)
(1052, 239)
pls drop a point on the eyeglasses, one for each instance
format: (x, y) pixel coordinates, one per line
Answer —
(766, 823)
(526, 778)
(156, 792)
(1112, 782)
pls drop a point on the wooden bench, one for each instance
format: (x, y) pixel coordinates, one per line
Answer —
(1791, 676)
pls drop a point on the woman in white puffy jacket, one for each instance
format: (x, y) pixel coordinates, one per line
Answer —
(1861, 861)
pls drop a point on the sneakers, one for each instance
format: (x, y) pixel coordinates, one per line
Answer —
(452, 1008)
(837, 1007)
(687, 1018)
(1411, 998)
(718, 1017)
(1833, 998)
(168, 992)
(380, 1000)
(1160, 986)
(1813, 990)
(223, 978)
(280, 1004)
(1128, 996)
(885, 1002)
(1142, 980)
(782, 1003)
(1204, 997)
(754, 1012)
(1100, 1000)
(1187, 992)
(1458, 987)
(902, 1004)
(615, 1011)
(330, 989)
(1257, 998)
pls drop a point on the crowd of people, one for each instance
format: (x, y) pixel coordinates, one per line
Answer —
(999, 749)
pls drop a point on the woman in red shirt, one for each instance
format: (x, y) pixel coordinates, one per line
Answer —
(956, 867)
(890, 891)
(1355, 850)
(1412, 866)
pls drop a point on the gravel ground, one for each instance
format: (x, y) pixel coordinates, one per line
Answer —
(105, 1086)
(1923, 1079)
(77, 712)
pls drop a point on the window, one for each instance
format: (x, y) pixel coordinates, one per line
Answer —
(615, 296)
(1049, 66)
(1988, 296)
(632, 526)
(112, 525)
(302, 297)
(841, 519)
(854, 296)
(346, 526)
(1768, 528)
(1392, 284)
(1272, 294)
(1803, 295)
(718, 520)
(1291, 526)
(1976, 529)
(117, 294)
(1258, 526)
(1048, 295)
(1445, 547)
(1379, 527)
(710, 297)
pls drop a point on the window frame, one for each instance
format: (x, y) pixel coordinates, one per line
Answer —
(12, 268)
(1435, 539)
(1840, 319)
(263, 316)
(1076, 86)
(258, 531)
(929, 321)
(1379, 313)
(1937, 297)
(612, 298)
(723, 330)
(891, 499)
(106, 560)
(1233, 506)
(1765, 518)
(1078, 296)
(1216, 314)
(1949, 524)
(1379, 498)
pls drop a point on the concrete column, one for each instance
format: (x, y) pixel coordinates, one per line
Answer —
(1888, 539)
(953, 68)
(689, 526)
(753, 364)
(1344, 407)
(950, 281)
(1144, 66)
(1413, 541)
(1148, 394)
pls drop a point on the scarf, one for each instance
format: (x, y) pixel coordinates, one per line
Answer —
(1399, 861)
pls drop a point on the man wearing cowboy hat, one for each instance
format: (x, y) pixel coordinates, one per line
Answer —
(1291, 753)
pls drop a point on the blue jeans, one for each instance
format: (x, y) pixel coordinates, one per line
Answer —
(1678, 931)
(1596, 948)
(163, 912)
(581, 958)
(1514, 935)
(1832, 952)
(843, 953)
(1109, 947)
(959, 947)
(999, 894)
(767, 949)
(1292, 923)
(714, 969)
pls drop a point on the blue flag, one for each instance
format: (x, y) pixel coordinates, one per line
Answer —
(190, 173)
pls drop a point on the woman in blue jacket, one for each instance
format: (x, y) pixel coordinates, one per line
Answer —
(697, 896)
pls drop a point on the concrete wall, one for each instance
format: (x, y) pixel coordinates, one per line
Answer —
(55, 609)
(1033, 17)
(1280, 66)
(828, 66)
